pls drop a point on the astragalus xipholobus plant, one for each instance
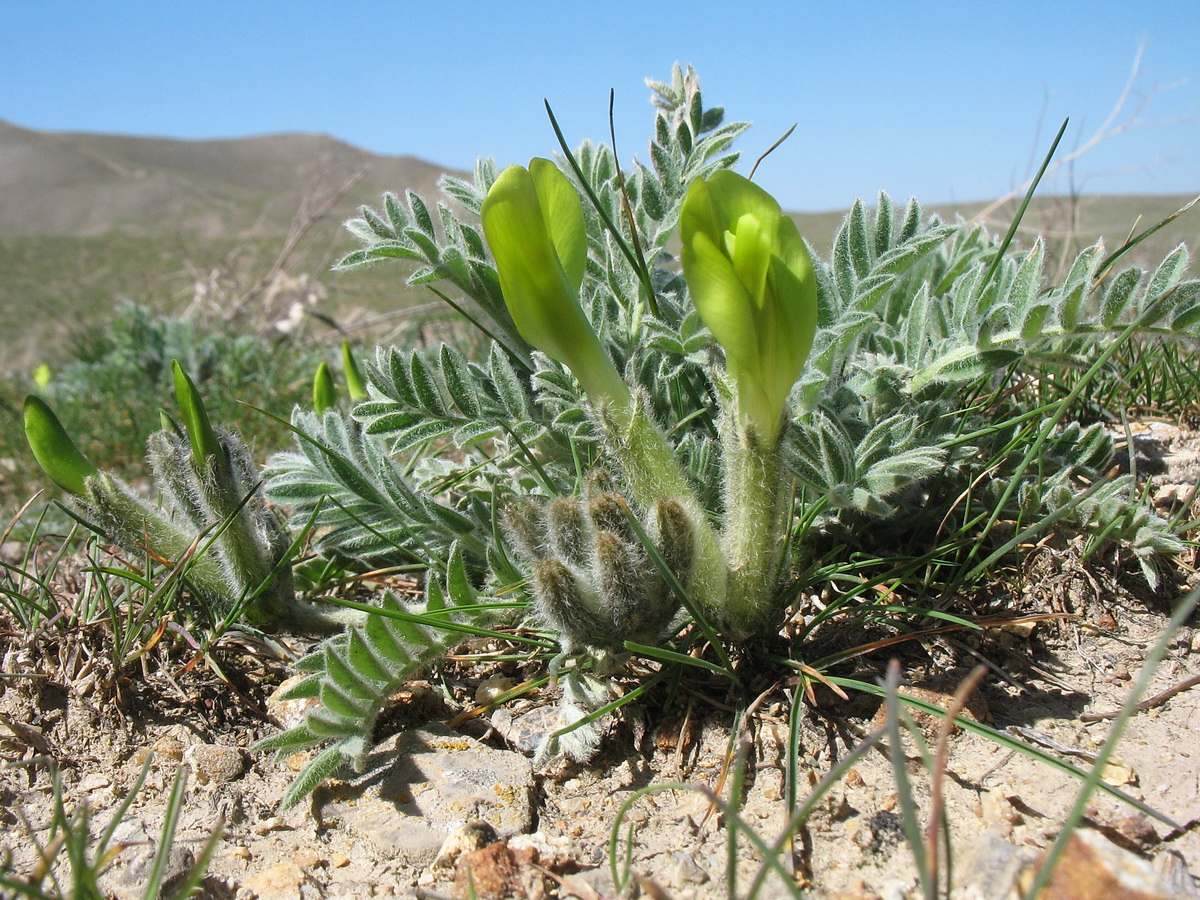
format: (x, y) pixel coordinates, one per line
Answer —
(752, 283)
(651, 447)
(207, 521)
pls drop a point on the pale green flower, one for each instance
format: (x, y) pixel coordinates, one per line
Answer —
(533, 220)
(752, 281)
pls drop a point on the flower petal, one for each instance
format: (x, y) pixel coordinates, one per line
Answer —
(534, 224)
(535, 287)
(562, 211)
(752, 282)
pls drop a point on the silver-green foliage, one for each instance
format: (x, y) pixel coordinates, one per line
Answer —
(912, 329)
(359, 500)
(517, 422)
(354, 673)
(909, 403)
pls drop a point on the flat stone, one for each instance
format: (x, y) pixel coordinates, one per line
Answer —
(1092, 866)
(282, 881)
(420, 785)
(214, 764)
(497, 872)
(93, 781)
(127, 878)
(527, 730)
(989, 869)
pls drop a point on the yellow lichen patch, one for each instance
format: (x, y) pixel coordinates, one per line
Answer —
(507, 794)
(450, 744)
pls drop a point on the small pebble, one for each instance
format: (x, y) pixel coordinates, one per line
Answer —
(94, 782)
(492, 688)
(281, 880)
(307, 859)
(465, 839)
(168, 748)
(266, 826)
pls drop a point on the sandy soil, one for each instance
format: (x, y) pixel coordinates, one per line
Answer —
(436, 800)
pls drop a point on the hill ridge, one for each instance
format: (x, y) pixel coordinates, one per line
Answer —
(74, 183)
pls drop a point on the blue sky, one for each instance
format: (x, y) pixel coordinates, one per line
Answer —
(947, 101)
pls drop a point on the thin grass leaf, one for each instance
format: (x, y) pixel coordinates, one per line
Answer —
(1112, 258)
(1012, 228)
(662, 654)
(167, 837)
(610, 707)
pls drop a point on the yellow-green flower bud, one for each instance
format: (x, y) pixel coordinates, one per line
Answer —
(53, 448)
(354, 382)
(195, 420)
(324, 393)
(751, 279)
(533, 220)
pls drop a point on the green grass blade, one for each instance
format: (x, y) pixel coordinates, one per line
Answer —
(618, 238)
(662, 654)
(167, 839)
(1012, 228)
(1112, 258)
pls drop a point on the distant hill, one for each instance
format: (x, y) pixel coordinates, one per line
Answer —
(86, 219)
(80, 185)
(71, 184)
(1068, 224)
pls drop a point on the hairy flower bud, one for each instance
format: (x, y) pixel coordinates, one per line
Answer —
(674, 537)
(608, 514)
(621, 579)
(562, 604)
(523, 528)
(566, 527)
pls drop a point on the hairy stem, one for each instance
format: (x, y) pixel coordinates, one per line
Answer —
(754, 524)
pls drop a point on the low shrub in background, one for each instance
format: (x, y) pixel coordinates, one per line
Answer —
(110, 395)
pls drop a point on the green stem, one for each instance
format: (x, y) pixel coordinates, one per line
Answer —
(138, 527)
(754, 524)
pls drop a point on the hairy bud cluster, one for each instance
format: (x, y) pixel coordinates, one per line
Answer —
(593, 580)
